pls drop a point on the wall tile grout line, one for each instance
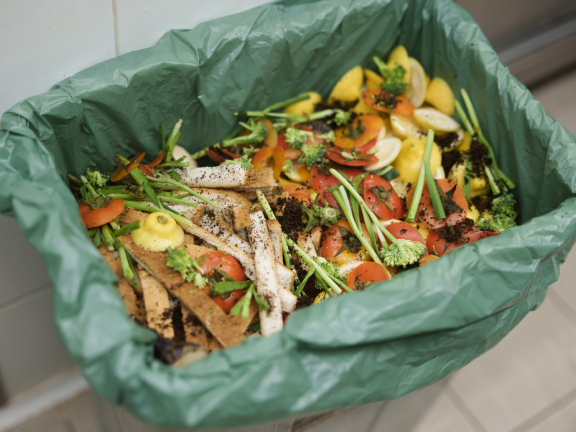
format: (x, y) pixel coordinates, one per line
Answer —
(25, 297)
(463, 408)
(546, 413)
(115, 24)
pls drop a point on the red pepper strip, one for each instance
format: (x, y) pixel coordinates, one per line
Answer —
(155, 162)
(278, 155)
(123, 170)
(229, 153)
(215, 156)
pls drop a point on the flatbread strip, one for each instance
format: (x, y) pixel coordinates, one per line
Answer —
(266, 278)
(225, 330)
(223, 176)
(134, 305)
(157, 303)
(257, 179)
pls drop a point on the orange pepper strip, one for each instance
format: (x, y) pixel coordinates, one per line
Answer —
(123, 170)
(304, 174)
(278, 155)
(261, 157)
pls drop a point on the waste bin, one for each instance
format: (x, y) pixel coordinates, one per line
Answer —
(374, 345)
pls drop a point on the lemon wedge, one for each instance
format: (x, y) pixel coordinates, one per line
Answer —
(305, 107)
(410, 159)
(417, 88)
(347, 89)
(386, 150)
(440, 95)
(431, 118)
(473, 212)
(464, 145)
(399, 56)
(405, 126)
(373, 80)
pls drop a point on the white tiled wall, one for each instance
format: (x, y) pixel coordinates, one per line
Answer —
(41, 43)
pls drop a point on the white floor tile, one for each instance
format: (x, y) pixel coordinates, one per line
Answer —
(356, 419)
(45, 41)
(427, 410)
(559, 99)
(563, 421)
(142, 23)
(533, 367)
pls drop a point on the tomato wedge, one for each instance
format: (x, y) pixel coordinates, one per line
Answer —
(437, 244)
(481, 234)
(363, 159)
(380, 100)
(425, 215)
(293, 188)
(359, 132)
(365, 274)
(389, 204)
(403, 230)
(228, 264)
(321, 182)
(98, 217)
(368, 146)
(332, 242)
(123, 170)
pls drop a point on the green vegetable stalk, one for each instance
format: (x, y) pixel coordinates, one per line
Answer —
(142, 181)
(166, 179)
(432, 187)
(394, 77)
(149, 209)
(168, 145)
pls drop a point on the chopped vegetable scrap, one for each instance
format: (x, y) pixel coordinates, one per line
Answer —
(309, 200)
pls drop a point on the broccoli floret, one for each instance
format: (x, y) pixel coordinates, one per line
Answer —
(402, 253)
(394, 82)
(311, 154)
(188, 267)
(315, 215)
(341, 118)
(297, 138)
(331, 267)
(96, 178)
(504, 214)
(243, 160)
(257, 134)
(328, 136)
(287, 166)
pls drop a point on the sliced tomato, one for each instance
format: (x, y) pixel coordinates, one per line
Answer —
(302, 197)
(228, 264)
(101, 216)
(403, 230)
(364, 159)
(359, 132)
(369, 272)
(481, 234)
(332, 242)
(425, 215)
(390, 205)
(373, 97)
(436, 244)
(368, 146)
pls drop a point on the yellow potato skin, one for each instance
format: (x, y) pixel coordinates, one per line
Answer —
(348, 88)
(440, 96)
(155, 236)
(410, 159)
(372, 80)
(473, 213)
(399, 56)
(305, 107)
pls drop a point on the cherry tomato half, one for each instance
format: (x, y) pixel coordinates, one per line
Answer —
(228, 264)
(403, 230)
(321, 182)
(389, 204)
(481, 234)
(425, 215)
(359, 132)
(373, 97)
(436, 244)
(369, 272)
(332, 242)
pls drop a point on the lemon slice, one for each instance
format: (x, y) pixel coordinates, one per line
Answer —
(348, 267)
(439, 174)
(405, 126)
(348, 88)
(382, 134)
(417, 88)
(431, 118)
(386, 151)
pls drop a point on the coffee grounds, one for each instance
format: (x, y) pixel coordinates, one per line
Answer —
(479, 156)
(179, 334)
(482, 203)
(455, 233)
(446, 141)
(289, 214)
(449, 159)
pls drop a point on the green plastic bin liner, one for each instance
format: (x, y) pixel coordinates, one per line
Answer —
(394, 338)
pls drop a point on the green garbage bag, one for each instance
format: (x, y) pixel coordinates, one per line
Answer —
(378, 344)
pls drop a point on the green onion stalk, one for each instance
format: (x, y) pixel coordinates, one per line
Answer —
(401, 251)
(232, 139)
(169, 144)
(270, 214)
(110, 240)
(298, 290)
(167, 179)
(162, 198)
(142, 181)
(432, 189)
(496, 171)
(467, 178)
(149, 209)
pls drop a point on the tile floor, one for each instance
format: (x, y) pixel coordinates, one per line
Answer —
(525, 384)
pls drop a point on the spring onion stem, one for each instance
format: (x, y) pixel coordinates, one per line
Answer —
(342, 198)
(491, 180)
(127, 228)
(303, 283)
(149, 209)
(467, 178)
(166, 179)
(432, 189)
(369, 228)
